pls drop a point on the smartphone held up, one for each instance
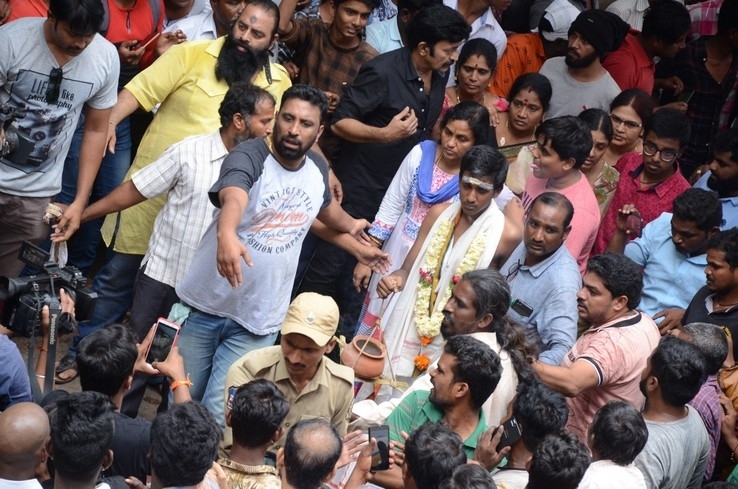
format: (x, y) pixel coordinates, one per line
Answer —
(380, 454)
(165, 338)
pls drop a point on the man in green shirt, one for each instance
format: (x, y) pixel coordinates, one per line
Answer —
(467, 374)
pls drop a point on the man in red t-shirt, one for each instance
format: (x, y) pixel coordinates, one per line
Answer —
(650, 181)
(664, 34)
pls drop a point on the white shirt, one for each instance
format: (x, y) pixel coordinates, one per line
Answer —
(631, 11)
(606, 474)
(384, 36)
(485, 27)
(26, 484)
(186, 170)
(200, 27)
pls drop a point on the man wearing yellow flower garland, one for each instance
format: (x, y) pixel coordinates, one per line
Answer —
(466, 375)
(468, 235)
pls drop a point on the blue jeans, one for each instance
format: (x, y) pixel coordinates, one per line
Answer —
(209, 345)
(83, 245)
(114, 286)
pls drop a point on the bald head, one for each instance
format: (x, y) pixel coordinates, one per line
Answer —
(311, 451)
(24, 429)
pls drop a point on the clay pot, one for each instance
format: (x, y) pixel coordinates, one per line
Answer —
(370, 363)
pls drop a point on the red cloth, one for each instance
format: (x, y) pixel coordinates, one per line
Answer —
(27, 8)
(134, 24)
(524, 54)
(650, 202)
(630, 66)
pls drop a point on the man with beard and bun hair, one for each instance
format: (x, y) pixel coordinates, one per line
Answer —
(578, 79)
(238, 285)
(723, 175)
(189, 81)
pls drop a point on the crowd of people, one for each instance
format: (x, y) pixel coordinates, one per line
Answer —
(524, 213)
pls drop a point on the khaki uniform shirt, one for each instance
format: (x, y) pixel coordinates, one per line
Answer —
(241, 476)
(329, 395)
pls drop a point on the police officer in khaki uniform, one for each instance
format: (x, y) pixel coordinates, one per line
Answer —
(315, 386)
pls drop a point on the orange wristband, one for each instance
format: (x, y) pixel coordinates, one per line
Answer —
(178, 383)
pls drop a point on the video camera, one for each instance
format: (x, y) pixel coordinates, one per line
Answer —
(26, 296)
(18, 144)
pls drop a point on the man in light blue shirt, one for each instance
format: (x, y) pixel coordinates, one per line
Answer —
(672, 252)
(544, 278)
(389, 34)
(723, 176)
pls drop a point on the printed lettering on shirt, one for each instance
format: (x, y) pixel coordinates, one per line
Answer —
(282, 219)
(44, 122)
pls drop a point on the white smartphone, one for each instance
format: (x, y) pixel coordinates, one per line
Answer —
(164, 339)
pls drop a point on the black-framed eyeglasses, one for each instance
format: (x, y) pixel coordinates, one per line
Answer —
(667, 154)
(616, 121)
(513, 271)
(52, 91)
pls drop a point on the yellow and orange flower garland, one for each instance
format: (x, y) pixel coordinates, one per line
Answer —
(428, 321)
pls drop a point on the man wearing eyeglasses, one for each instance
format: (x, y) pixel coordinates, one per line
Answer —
(651, 181)
(50, 71)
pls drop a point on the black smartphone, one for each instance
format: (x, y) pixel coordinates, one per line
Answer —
(380, 455)
(164, 338)
(685, 96)
(510, 433)
(521, 308)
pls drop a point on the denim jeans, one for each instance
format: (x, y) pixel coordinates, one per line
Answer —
(209, 345)
(114, 286)
(83, 245)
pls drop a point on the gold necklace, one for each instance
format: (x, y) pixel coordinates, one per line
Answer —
(481, 102)
(503, 139)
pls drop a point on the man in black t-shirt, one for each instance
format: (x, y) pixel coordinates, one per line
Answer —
(392, 105)
(717, 302)
(105, 361)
